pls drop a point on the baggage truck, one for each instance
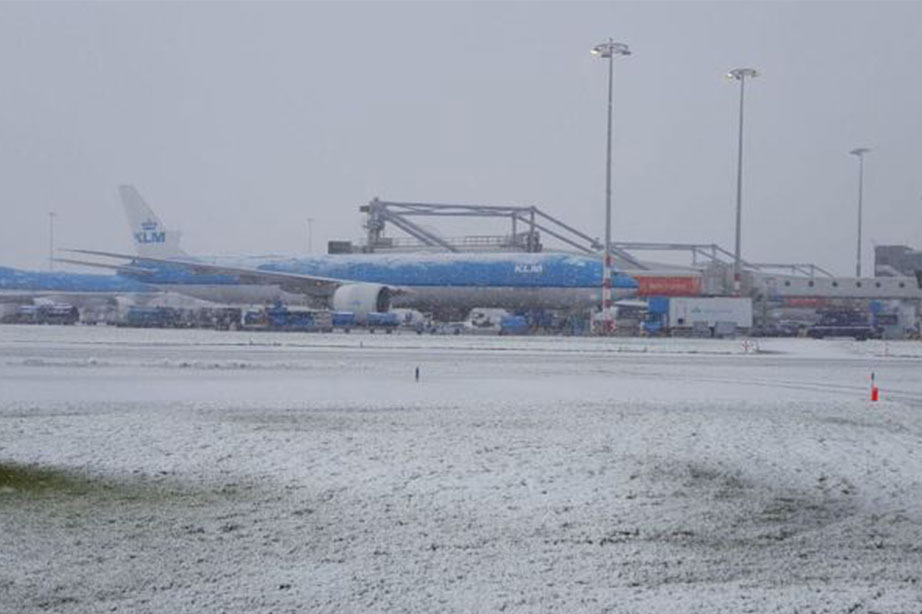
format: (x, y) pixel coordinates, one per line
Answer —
(58, 313)
(141, 316)
(344, 319)
(283, 318)
(386, 321)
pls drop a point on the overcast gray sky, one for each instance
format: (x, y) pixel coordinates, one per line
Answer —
(239, 121)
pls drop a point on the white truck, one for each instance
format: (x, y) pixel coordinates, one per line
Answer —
(717, 316)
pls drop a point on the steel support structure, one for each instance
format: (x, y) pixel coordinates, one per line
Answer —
(711, 252)
(378, 212)
(533, 220)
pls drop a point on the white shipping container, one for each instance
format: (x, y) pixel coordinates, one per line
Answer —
(685, 311)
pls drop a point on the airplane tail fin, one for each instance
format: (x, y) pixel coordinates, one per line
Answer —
(148, 233)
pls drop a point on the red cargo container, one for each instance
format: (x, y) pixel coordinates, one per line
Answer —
(805, 302)
(668, 285)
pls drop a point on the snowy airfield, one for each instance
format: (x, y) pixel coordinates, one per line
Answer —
(201, 471)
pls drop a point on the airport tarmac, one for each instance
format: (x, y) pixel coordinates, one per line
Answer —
(181, 471)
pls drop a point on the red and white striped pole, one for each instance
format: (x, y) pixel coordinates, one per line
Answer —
(608, 323)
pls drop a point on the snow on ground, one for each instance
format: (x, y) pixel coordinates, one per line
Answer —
(236, 472)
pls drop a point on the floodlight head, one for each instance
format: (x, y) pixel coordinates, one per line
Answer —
(740, 73)
(610, 49)
(860, 151)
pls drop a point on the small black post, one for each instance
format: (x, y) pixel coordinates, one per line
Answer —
(417, 374)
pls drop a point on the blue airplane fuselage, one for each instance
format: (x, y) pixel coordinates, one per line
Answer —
(430, 281)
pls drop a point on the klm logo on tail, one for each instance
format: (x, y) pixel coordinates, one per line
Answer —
(150, 234)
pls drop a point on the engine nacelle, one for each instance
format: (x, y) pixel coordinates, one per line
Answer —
(361, 299)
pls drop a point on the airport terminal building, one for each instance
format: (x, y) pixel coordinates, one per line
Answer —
(896, 261)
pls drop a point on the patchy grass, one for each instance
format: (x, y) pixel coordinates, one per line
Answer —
(17, 478)
(28, 481)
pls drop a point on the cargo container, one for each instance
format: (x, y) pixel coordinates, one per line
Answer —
(712, 316)
(667, 285)
(687, 313)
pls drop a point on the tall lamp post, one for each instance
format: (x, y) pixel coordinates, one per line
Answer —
(860, 151)
(739, 74)
(51, 215)
(608, 50)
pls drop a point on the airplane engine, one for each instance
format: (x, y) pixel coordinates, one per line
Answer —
(362, 299)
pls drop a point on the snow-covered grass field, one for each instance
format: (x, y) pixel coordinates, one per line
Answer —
(199, 471)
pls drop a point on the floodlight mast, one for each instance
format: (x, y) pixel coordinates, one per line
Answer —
(859, 152)
(51, 216)
(739, 74)
(608, 50)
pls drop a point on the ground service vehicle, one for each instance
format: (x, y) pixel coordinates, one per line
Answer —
(843, 323)
(384, 320)
(282, 318)
(44, 314)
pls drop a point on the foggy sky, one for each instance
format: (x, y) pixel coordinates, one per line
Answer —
(237, 122)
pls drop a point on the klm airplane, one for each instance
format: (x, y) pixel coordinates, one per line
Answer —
(19, 286)
(361, 283)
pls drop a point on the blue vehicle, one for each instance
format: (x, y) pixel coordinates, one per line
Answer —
(279, 317)
(386, 321)
(151, 317)
(657, 315)
(344, 320)
(513, 325)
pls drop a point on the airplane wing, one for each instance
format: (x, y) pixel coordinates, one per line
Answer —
(290, 282)
(103, 265)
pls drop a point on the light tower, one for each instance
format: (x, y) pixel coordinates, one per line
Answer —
(51, 215)
(739, 74)
(608, 50)
(860, 151)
